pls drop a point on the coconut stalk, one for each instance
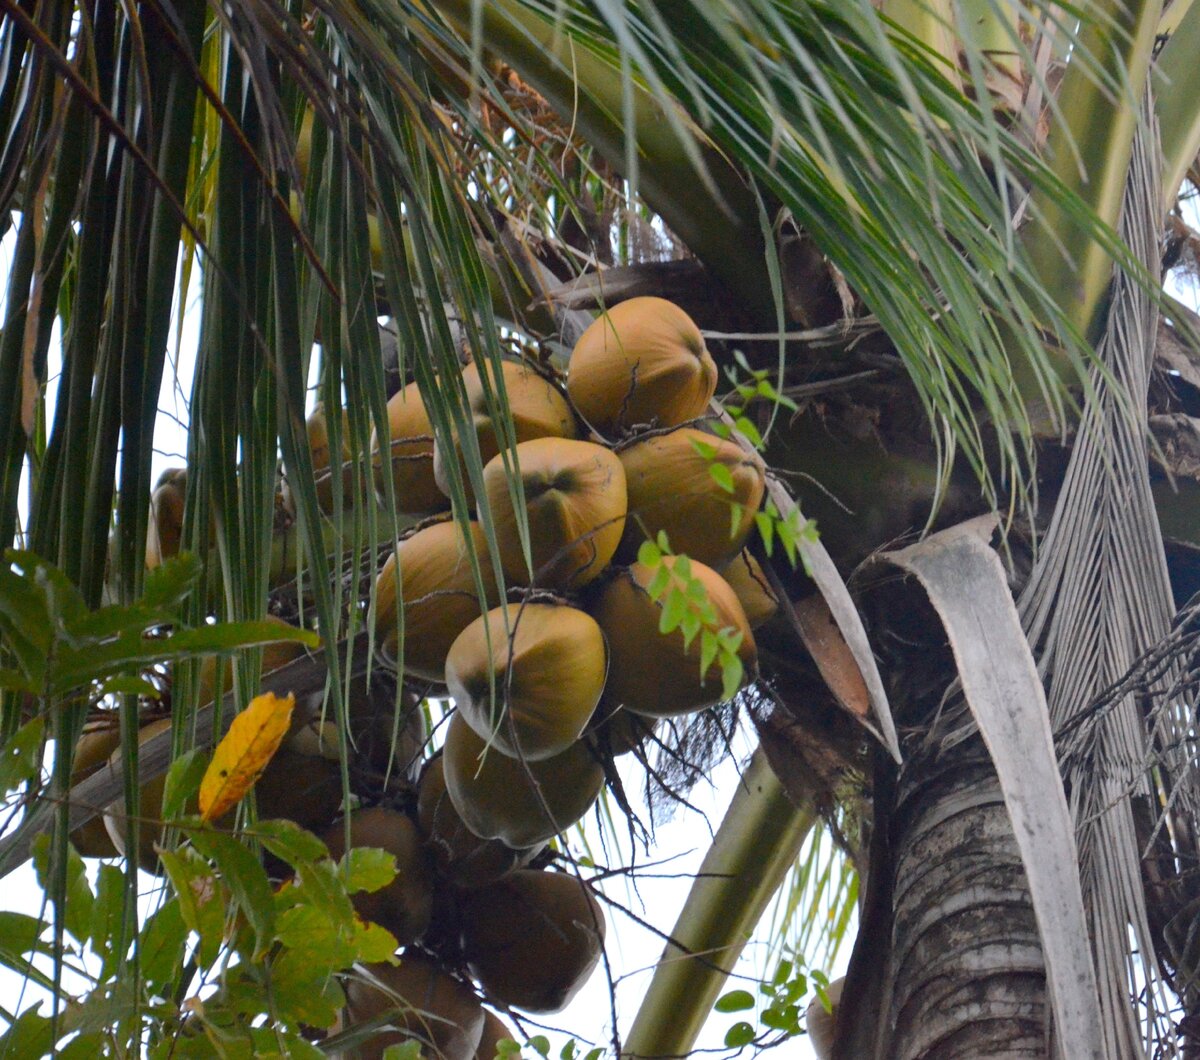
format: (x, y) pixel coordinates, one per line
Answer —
(1177, 86)
(757, 843)
(704, 202)
(1088, 150)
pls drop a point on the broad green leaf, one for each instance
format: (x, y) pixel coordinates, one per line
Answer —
(540, 1044)
(201, 898)
(304, 990)
(183, 781)
(78, 896)
(127, 684)
(739, 1035)
(690, 626)
(660, 581)
(171, 581)
(106, 916)
(160, 947)
(245, 878)
(722, 476)
(732, 672)
(373, 943)
(30, 1035)
(368, 869)
(673, 611)
(289, 842)
(649, 554)
(708, 650)
(21, 756)
(410, 1050)
(735, 1001)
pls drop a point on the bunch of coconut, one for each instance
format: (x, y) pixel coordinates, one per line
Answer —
(569, 666)
(530, 942)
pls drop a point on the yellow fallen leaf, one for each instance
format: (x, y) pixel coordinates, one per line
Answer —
(244, 752)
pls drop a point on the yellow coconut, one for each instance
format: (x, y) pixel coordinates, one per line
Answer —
(438, 591)
(655, 674)
(422, 1003)
(461, 857)
(533, 939)
(575, 505)
(100, 738)
(821, 1024)
(405, 905)
(537, 407)
(747, 578)
(642, 362)
(324, 467)
(521, 803)
(165, 529)
(546, 676)
(702, 491)
(411, 452)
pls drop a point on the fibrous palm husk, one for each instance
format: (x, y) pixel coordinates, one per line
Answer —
(528, 678)
(438, 590)
(658, 674)
(521, 803)
(641, 362)
(575, 506)
(701, 490)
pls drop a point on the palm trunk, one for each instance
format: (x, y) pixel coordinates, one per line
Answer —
(948, 962)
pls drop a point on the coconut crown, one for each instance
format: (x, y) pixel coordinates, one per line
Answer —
(642, 362)
(411, 455)
(439, 594)
(701, 490)
(575, 506)
(659, 674)
(521, 803)
(528, 678)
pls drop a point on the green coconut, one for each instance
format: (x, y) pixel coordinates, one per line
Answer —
(422, 1003)
(405, 905)
(575, 507)
(461, 857)
(438, 591)
(748, 580)
(641, 362)
(533, 939)
(411, 455)
(546, 677)
(702, 491)
(537, 407)
(521, 803)
(659, 674)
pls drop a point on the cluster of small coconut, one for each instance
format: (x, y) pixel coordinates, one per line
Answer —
(573, 658)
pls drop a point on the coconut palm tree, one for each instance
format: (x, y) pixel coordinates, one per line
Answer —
(926, 243)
